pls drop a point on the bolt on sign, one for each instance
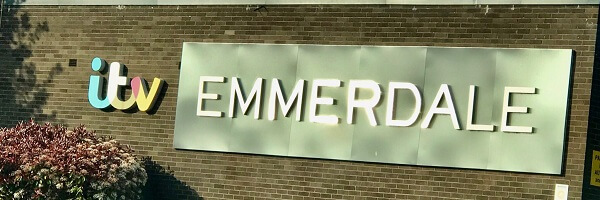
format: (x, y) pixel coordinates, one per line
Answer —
(481, 108)
(140, 96)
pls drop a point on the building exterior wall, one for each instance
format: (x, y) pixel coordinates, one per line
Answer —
(37, 82)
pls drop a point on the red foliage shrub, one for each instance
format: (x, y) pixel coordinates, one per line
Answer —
(101, 162)
(77, 151)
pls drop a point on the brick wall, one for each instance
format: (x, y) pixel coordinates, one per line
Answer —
(36, 81)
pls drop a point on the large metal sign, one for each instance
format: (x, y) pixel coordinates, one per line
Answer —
(482, 108)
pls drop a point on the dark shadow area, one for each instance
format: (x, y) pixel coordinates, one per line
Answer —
(590, 191)
(162, 184)
(159, 99)
(563, 171)
(23, 94)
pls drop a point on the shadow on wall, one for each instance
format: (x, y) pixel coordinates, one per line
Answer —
(162, 184)
(22, 93)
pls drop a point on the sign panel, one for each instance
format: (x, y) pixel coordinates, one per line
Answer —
(561, 192)
(481, 108)
(595, 169)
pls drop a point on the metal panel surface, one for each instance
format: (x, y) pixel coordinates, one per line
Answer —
(542, 150)
(383, 143)
(441, 144)
(491, 70)
(204, 60)
(334, 141)
(263, 136)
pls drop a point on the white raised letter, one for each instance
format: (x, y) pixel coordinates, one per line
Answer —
(367, 104)
(470, 125)
(513, 109)
(116, 82)
(316, 100)
(389, 117)
(202, 96)
(236, 93)
(443, 91)
(276, 94)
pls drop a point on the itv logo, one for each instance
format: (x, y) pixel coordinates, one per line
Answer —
(114, 94)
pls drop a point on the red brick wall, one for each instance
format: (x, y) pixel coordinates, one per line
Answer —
(36, 81)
